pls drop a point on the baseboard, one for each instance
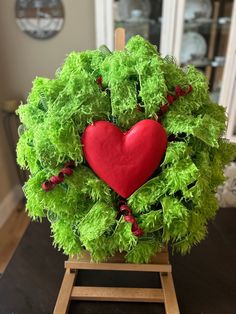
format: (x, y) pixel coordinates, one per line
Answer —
(9, 203)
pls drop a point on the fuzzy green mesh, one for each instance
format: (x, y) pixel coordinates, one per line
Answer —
(174, 205)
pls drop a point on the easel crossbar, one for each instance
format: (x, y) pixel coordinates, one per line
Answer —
(71, 264)
(117, 294)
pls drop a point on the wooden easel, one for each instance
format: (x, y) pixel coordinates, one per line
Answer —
(159, 263)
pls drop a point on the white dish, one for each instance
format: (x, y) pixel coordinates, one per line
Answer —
(197, 8)
(127, 6)
(193, 47)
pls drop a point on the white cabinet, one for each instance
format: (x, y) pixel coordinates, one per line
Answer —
(198, 32)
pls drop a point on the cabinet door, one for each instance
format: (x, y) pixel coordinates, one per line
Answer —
(155, 20)
(139, 17)
(205, 38)
(228, 90)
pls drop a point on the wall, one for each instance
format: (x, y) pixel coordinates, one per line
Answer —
(22, 58)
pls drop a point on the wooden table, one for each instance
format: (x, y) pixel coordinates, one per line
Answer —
(205, 280)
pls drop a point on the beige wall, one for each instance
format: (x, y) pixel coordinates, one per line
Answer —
(22, 58)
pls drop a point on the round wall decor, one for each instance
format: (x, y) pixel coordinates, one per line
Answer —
(40, 19)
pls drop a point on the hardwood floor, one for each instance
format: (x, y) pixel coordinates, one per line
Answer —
(10, 235)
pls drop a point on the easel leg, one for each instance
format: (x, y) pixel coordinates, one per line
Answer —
(63, 299)
(171, 304)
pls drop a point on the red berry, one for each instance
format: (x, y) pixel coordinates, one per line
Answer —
(190, 88)
(124, 207)
(130, 218)
(67, 171)
(136, 230)
(163, 109)
(179, 91)
(99, 80)
(47, 186)
(125, 210)
(57, 179)
(170, 99)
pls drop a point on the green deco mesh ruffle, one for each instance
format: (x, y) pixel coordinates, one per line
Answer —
(175, 204)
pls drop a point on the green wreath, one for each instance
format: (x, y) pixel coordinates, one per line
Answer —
(175, 205)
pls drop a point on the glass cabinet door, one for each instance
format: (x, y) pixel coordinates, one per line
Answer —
(139, 17)
(198, 32)
(205, 36)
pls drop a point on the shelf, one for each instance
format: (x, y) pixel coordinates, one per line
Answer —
(222, 22)
(150, 21)
(199, 63)
(217, 64)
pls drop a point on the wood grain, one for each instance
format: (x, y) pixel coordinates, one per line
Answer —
(118, 294)
(213, 34)
(72, 264)
(64, 296)
(160, 258)
(10, 236)
(119, 38)
(170, 300)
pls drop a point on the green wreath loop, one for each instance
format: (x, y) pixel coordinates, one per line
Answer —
(174, 205)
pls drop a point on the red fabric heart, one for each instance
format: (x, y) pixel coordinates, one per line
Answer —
(124, 160)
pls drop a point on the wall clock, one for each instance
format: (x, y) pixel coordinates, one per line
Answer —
(40, 19)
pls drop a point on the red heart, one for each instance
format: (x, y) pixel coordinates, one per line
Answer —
(124, 160)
